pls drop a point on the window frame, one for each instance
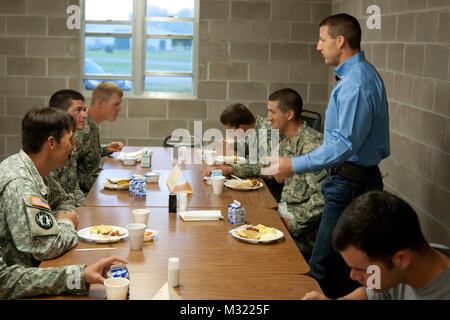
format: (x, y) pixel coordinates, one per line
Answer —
(138, 52)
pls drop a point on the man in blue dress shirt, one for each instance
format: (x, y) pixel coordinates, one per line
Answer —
(356, 139)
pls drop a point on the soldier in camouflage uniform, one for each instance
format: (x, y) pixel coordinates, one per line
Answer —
(72, 102)
(37, 220)
(258, 138)
(105, 105)
(301, 202)
(68, 179)
(17, 281)
(257, 130)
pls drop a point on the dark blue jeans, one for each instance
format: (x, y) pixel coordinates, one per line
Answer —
(327, 266)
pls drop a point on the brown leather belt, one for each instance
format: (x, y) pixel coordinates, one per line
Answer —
(355, 172)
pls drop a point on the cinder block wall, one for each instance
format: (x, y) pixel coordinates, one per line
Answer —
(247, 49)
(411, 52)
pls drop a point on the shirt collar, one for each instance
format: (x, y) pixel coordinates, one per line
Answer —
(345, 66)
(33, 171)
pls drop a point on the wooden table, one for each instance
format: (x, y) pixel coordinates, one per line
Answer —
(213, 264)
(158, 193)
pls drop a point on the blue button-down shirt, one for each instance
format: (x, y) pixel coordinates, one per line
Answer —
(356, 120)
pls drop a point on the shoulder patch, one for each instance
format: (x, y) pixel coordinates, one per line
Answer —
(44, 220)
(39, 202)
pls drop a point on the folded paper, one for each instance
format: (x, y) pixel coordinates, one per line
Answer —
(175, 182)
(200, 215)
(167, 293)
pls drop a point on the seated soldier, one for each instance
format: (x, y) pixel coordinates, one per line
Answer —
(237, 116)
(105, 105)
(18, 281)
(258, 135)
(72, 102)
(38, 221)
(301, 202)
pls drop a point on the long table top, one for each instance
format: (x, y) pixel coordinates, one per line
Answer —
(213, 263)
(158, 193)
(204, 248)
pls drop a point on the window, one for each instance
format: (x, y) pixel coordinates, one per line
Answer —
(148, 47)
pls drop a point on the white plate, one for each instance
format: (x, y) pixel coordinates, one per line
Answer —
(112, 186)
(87, 235)
(279, 235)
(225, 159)
(230, 185)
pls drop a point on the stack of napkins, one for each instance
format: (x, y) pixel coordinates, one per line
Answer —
(201, 215)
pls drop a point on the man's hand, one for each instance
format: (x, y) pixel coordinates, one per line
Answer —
(286, 221)
(72, 216)
(226, 171)
(115, 147)
(314, 295)
(280, 169)
(96, 273)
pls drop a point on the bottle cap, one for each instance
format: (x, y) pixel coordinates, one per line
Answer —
(174, 263)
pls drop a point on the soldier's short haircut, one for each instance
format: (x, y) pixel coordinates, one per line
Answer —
(39, 124)
(345, 25)
(62, 99)
(288, 99)
(380, 224)
(104, 90)
(236, 114)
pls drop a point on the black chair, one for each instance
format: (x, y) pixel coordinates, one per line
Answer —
(194, 142)
(313, 119)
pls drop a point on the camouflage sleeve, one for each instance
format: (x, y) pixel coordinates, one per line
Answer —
(86, 183)
(104, 150)
(246, 170)
(58, 199)
(34, 228)
(78, 195)
(306, 215)
(17, 281)
(84, 148)
(307, 211)
(82, 139)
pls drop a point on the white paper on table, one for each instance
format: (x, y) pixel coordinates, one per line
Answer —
(174, 176)
(200, 215)
(167, 293)
(175, 182)
(131, 154)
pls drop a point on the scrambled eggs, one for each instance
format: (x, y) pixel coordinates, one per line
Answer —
(102, 229)
(266, 233)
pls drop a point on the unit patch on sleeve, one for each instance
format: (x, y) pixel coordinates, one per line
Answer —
(44, 220)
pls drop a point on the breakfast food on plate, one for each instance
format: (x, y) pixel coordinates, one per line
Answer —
(148, 233)
(248, 234)
(266, 233)
(106, 231)
(248, 183)
(259, 232)
(121, 183)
